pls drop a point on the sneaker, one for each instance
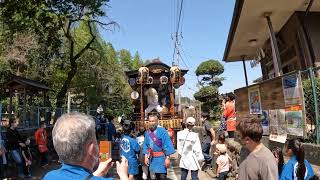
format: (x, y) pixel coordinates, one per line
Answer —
(204, 167)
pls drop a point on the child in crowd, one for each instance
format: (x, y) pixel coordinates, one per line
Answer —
(221, 143)
(223, 163)
(27, 158)
(118, 136)
(130, 149)
(143, 168)
(297, 167)
(277, 152)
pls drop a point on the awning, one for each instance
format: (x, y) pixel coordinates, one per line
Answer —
(248, 23)
(17, 82)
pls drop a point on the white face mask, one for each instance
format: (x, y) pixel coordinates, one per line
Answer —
(95, 157)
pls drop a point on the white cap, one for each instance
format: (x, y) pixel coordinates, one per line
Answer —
(191, 121)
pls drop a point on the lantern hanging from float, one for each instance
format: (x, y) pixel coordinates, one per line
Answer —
(175, 76)
(164, 80)
(150, 80)
(143, 75)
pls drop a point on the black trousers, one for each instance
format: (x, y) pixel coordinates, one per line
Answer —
(161, 176)
(44, 158)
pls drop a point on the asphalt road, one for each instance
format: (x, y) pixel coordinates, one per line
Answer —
(173, 171)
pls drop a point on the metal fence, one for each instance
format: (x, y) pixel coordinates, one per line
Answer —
(311, 89)
(29, 117)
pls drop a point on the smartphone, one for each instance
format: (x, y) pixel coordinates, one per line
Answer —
(104, 150)
(108, 150)
(115, 151)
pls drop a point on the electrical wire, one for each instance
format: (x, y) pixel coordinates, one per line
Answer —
(176, 39)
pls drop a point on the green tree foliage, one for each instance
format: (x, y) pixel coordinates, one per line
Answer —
(100, 78)
(111, 53)
(125, 59)
(309, 104)
(54, 22)
(209, 71)
(137, 62)
(206, 92)
(146, 62)
(58, 43)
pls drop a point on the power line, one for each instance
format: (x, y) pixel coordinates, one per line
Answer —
(179, 16)
(176, 40)
(179, 54)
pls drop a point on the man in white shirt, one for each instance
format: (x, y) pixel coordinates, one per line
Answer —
(189, 149)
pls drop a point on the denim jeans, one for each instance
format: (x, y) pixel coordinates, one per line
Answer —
(17, 158)
(184, 174)
(223, 175)
(206, 152)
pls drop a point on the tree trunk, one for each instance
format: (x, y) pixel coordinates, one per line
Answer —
(61, 95)
(73, 69)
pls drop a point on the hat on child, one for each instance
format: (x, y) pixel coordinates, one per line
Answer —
(191, 121)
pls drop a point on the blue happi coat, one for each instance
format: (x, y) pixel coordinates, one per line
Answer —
(71, 172)
(157, 163)
(289, 169)
(130, 148)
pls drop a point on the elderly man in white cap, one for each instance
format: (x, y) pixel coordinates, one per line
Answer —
(189, 149)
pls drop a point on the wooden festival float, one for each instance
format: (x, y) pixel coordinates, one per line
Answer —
(165, 80)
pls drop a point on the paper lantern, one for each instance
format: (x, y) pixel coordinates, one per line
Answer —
(143, 76)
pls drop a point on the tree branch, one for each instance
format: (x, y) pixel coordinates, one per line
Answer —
(68, 30)
(101, 24)
(88, 44)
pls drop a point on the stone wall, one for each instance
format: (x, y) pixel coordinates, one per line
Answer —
(312, 153)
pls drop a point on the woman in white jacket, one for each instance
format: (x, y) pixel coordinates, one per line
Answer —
(189, 149)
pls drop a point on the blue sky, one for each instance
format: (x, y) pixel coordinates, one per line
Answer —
(146, 26)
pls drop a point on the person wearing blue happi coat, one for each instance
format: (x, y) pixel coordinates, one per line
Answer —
(157, 148)
(130, 149)
(76, 145)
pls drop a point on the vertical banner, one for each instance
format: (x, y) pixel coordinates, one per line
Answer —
(294, 102)
(254, 100)
(278, 125)
(264, 119)
(291, 90)
(294, 116)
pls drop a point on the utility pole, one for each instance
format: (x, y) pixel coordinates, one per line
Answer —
(179, 92)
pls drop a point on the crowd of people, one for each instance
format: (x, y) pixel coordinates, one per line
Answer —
(147, 154)
(18, 148)
(104, 126)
